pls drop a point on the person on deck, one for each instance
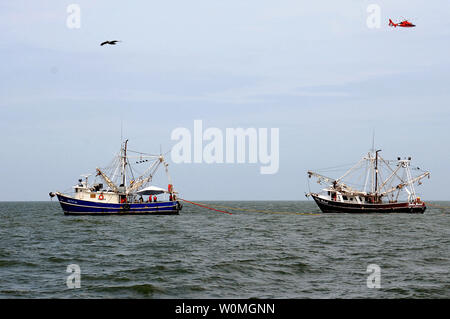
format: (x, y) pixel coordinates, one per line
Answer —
(150, 199)
(154, 199)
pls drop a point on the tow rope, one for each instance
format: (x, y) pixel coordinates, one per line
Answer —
(243, 209)
(266, 211)
(437, 206)
(217, 210)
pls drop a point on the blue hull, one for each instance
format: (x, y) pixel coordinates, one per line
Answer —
(72, 206)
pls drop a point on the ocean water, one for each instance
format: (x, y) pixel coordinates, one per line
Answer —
(206, 254)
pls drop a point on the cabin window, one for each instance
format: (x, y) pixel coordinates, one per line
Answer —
(92, 195)
(345, 197)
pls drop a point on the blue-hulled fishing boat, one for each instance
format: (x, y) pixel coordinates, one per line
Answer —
(124, 193)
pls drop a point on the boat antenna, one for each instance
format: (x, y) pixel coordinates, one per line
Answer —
(373, 140)
(121, 131)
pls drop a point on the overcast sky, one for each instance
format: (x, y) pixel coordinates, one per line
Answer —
(313, 69)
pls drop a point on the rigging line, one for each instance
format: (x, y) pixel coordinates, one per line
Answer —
(390, 168)
(337, 170)
(334, 167)
(130, 168)
(366, 175)
(143, 153)
(354, 168)
(360, 177)
(380, 179)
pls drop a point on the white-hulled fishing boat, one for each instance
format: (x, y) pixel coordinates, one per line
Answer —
(380, 193)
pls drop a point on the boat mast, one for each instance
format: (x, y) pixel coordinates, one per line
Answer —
(410, 180)
(124, 163)
(372, 163)
(367, 171)
(376, 172)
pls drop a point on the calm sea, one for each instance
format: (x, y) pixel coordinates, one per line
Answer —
(206, 254)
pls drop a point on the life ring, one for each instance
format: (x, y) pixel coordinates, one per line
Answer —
(101, 197)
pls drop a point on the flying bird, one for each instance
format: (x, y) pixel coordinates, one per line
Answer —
(110, 42)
